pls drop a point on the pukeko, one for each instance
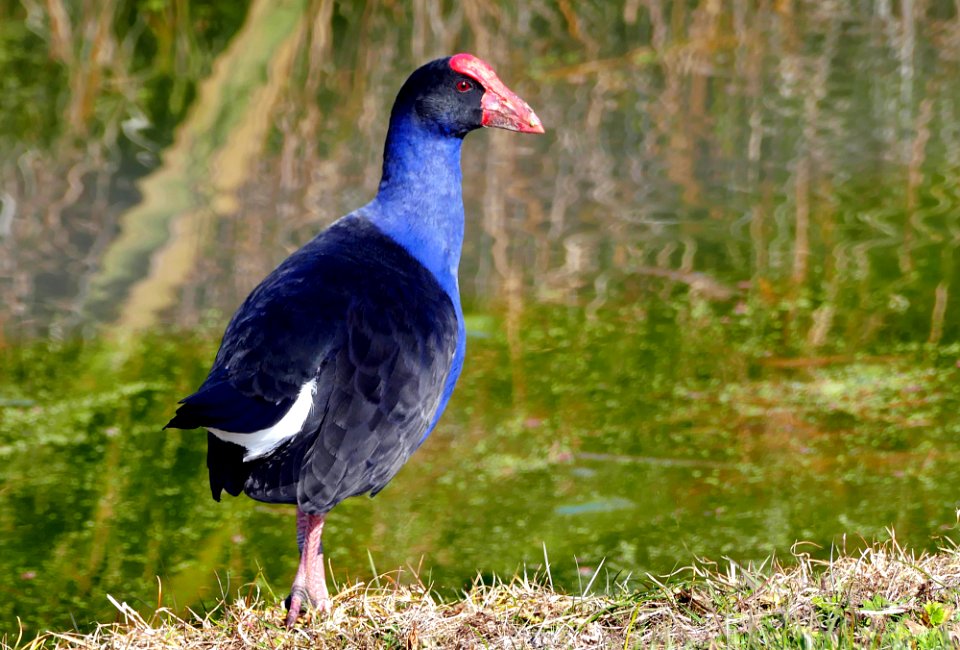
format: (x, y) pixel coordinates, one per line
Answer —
(338, 365)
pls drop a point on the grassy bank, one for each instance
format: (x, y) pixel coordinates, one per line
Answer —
(883, 596)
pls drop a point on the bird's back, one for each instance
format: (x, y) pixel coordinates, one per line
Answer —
(357, 332)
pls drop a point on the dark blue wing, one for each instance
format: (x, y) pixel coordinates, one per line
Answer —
(359, 314)
(275, 341)
(386, 384)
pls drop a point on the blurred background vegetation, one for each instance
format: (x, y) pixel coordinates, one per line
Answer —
(711, 313)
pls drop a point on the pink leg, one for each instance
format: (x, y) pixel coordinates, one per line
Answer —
(309, 585)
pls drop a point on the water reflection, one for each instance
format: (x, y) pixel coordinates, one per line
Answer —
(810, 150)
(710, 311)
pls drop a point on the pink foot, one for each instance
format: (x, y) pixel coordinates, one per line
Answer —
(299, 599)
(309, 586)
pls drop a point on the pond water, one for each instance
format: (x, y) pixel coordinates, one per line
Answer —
(712, 312)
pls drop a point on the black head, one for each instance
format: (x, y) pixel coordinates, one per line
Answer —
(441, 99)
(455, 95)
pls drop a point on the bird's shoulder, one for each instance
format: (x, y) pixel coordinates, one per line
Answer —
(304, 306)
(350, 258)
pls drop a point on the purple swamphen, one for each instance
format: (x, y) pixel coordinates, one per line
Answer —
(338, 365)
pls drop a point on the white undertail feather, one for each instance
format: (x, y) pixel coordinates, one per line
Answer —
(260, 443)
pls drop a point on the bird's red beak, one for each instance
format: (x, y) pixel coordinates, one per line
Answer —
(502, 108)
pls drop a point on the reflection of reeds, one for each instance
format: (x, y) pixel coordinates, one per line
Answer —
(88, 50)
(738, 141)
(210, 169)
(69, 192)
(917, 156)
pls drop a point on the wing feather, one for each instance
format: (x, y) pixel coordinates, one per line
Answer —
(359, 315)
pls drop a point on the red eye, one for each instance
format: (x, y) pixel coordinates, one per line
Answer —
(463, 85)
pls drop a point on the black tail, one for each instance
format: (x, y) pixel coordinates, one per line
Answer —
(227, 469)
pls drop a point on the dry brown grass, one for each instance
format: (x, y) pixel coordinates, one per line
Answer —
(883, 596)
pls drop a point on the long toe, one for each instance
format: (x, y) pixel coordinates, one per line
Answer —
(293, 613)
(318, 594)
(296, 603)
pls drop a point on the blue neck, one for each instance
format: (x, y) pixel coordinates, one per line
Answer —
(420, 201)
